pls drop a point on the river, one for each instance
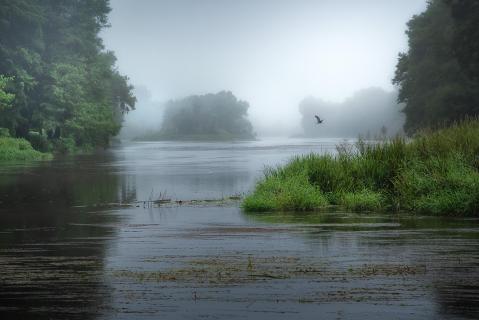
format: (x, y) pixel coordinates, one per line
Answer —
(82, 239)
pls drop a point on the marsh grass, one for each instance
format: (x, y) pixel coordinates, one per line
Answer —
(436, 172)
(16, 149)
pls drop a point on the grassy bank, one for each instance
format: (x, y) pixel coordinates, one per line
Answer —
(14, 149)
(435, 173)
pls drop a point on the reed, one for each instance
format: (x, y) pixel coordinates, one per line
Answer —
(436, 172)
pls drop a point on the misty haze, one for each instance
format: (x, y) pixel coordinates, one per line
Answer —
(253, 159)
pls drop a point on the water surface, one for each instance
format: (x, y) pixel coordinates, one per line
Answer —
(71, 248)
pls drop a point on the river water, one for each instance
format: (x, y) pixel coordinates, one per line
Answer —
(80, 239)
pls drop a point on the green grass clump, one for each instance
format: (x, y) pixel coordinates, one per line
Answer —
(365, 200)
(17, 149)
(293, 193)
(435, 173)
(439, 185)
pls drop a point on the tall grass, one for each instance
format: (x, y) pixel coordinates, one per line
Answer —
(436, 173)
(15, 149)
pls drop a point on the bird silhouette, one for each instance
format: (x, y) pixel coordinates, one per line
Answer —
(318, 119)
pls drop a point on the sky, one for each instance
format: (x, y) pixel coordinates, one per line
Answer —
(271, 53)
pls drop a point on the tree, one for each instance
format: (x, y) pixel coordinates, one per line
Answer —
(61, 71)
(465, 15)
(432, 82)
(212, 116)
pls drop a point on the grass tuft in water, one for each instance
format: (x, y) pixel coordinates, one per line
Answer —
(435, 173)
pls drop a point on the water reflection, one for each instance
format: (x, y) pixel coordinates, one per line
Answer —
(68, 250)
(447, 248)
(51, 251)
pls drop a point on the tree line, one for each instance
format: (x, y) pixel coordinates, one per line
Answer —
(59, 87)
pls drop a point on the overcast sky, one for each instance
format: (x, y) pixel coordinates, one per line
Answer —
(271, 53)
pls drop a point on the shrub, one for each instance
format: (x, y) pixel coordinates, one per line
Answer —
(4, 132)
(39, 142)
(13, 149)
(65, 145)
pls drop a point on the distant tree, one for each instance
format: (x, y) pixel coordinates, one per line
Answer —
(435, 86)
(368, 110)
(219, 115)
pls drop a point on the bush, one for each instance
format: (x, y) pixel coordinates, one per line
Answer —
(65, 145)
(12, 149)
(39, 142)
(4, 133)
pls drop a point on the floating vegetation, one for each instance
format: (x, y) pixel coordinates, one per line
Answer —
(231, 270)
(146, 204)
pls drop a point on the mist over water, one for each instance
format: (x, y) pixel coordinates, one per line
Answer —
(238, 187)
(272, 54)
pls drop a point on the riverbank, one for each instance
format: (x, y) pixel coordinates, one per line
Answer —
(435, 173)
(17, 149)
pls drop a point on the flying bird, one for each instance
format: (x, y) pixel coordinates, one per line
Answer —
(318, 119)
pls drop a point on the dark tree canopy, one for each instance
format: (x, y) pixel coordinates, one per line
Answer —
(66, 87)
(210, 116)
(465, 15)
(437, 77)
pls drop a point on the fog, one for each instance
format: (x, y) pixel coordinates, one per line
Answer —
(271, 53)
(370, 113)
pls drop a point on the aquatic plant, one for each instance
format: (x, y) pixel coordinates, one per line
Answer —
(436, 172)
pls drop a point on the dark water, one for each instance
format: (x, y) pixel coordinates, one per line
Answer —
(68, 249)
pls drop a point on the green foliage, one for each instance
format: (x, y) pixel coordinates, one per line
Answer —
(4, 133)
(13, 149)
(284, 193)
(437, 173)
(447, 185)
(39, 142)
(65, 145)
(58, 72)
(6, 98)
(92, 125)
(211, 116)
(365, 200)
(436, 77)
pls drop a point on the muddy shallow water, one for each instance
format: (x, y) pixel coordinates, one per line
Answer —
(65, 254)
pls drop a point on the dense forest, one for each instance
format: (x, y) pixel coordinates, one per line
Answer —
(219, 116)
(348, 118)
(438, 77)
(59, 88)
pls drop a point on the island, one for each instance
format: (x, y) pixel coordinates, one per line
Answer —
(219, 116)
